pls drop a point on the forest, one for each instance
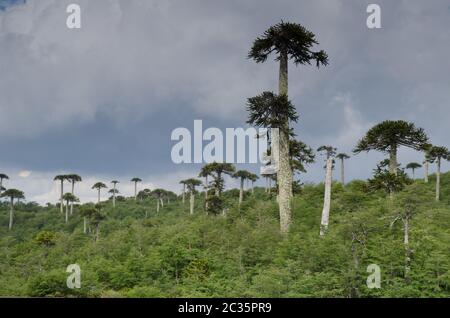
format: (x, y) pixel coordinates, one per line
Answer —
(287, 239)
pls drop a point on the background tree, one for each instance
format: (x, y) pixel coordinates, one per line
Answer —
(386, 181)
(158, 195)
(94, 215)
(437, 154)
(61, 178)
(242, 175)
(135, 180)
(12, 194)
(413, 166)
(205, 172)
(342, 157)
(114, 182)
(253, 178)
(69, 198)
(426, 161)
(219, 169)
(329, 153)
(191, 184)
(2, 177)
(73, 178)
(287, 41)
(388, 136)
(98, 186)
(183, 182)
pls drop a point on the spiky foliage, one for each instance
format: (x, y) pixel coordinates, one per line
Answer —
(61, 178)
(191, 184)
(99, 186)
(329, 151)
(271, 110)
(135, 180)
(69, 198)
(389, 135)
(386, 181)
(2, 177)
(300, 155)
(413, 166)
(288, 38)
(342, 156)
(219, 169)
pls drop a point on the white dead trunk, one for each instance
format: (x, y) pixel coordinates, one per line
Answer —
(67, 211)
(61, 201)
(327, 197)
(84, 225)
(342, 172)
(71, 203)
(11, 214)
(426, 166)
(438, 179)
(191, 201)
(114, 195)
(241, 192)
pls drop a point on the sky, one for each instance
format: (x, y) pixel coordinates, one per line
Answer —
(102, 101)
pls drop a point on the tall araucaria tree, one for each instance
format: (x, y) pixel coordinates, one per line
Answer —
(330, 152)
(426, 161)
(115, 191)
(388, 136)
(342, 157)
(242, 175)
(206, 172)
(183, 182)
(191, 184)
(437, 154)
(135, 180)
(73, 178)
(413, 166)
(253, 178)
(61, 178)
(98, 186)
(69, 198)
(289, 41)
(12, 194)
(2, 177)
(218, 169)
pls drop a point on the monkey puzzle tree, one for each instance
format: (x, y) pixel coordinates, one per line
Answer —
(61, 178)
(218, 169)
(287, 41)
(2, 177)
(205, 172)
(437, 154)
(426, 160)
(135, 180)
(329, 152)
(242, 175)
(98, 186)
(73, 178)
(386, 181)
(95, 215)
(253, 178)
(69, 198)
(158, 195)
(183, 182)
(114, 182)
(413, 166)
(300, 154)
(342, 157)
(388, 136)
(191, 184)
(12, 194)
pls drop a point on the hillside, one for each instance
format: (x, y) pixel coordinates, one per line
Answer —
(174, 254)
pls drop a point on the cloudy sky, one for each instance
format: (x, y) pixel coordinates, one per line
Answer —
(103, 100)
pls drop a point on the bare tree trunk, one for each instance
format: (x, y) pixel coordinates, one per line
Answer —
(438, 179)
(61, 201)
(97, 232)
(241, 192)
(407, 250)
(157, 205)
(393, 160)
(67, 211)
(1, 185)
(71, 203)
(342, 172)
(191, 201)
(135, 191)
(414, 173)
(184, 192)
(11, 214)
(426, 166)
(327, 198)
(162, 202)
(84, 225)
(114, 195)
(253, 188)
(284, 174)
(98, 201)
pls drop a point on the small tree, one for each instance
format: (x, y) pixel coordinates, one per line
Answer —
(191, 184)
(61, 178)
(115, 191)
(12, 194)
(388, 136)
(135, 180)
(69, 198)
(342, 157)
(437, 154)
(242, 175)
(413, 166)
(99, 186)
(73, 178)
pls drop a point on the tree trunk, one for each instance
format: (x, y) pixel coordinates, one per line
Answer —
(407, 250)
(284, 174)
(162, 202)
(241, 192)
(393, 160)
(438, 179)
(84, 225)
(414, 173)
(327, 198)
(184, 192)
(71, 203)
(61, 201)
(135, 191)
(97, 232)
(67, 211)
(253, 188)
(157, 205)
(98, 201)
(114, 195)
(342, 172)
(191, 201)
(426, 164)
(11, 214)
